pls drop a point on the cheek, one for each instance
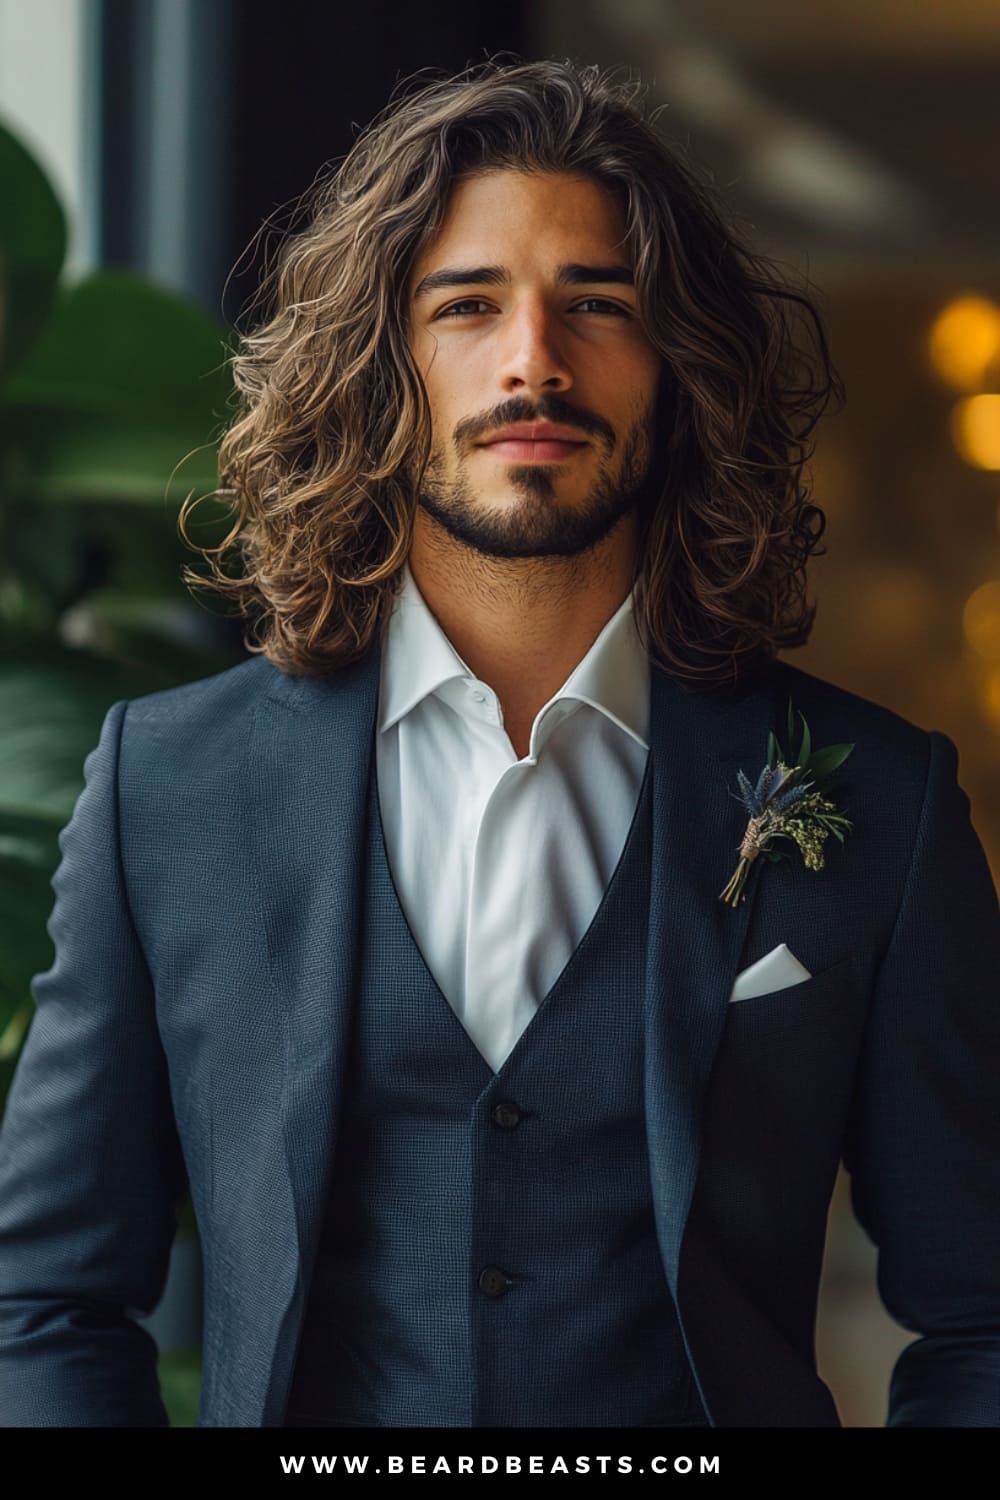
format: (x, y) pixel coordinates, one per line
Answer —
(457, 387)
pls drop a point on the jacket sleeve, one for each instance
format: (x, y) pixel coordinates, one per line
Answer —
(91, 1171)
(923, 1145)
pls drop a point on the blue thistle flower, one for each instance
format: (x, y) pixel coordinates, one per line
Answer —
(764, 784)
(794, 794)
(749, 797)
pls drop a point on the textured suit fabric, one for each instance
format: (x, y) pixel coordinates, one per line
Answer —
(446, 1170)
(195, 1022)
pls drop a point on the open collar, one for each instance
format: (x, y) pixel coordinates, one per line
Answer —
(418, 659)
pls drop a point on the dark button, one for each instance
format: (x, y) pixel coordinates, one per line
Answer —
(506, 1114)
(493, 1282)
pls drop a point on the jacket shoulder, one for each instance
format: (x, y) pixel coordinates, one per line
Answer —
(208, 723)
(209, 715)
(240, 683)
(836, 714)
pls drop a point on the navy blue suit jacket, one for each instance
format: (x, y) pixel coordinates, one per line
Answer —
(194, 1022)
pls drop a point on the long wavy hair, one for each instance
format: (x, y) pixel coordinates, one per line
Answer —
(321, 465)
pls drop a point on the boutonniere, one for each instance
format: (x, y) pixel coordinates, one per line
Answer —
(784, 805)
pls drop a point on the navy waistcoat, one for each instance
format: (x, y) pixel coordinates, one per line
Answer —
(488, 1255)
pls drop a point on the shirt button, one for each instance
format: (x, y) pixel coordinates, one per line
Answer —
(477, 696)
(506, 1114)
(493, 1282)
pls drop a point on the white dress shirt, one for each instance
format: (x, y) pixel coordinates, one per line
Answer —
(500, 864)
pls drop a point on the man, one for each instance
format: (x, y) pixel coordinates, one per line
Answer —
(404, 940)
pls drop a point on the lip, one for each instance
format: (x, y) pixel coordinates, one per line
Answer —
(535, 442)
(536, 432)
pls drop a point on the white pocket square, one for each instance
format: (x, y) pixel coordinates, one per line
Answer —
(775, 971)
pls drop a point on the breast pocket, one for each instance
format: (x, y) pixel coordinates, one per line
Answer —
(808, 1003)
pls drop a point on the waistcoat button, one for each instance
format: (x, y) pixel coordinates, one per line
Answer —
(493, 1282)
(506, 1115)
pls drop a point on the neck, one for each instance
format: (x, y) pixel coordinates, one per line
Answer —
(521, 624)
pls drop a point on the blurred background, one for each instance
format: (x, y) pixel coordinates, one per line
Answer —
(151, 151)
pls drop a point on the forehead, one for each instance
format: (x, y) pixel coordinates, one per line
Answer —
(538, 217)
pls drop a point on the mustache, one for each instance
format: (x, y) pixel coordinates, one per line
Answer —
(548, 409)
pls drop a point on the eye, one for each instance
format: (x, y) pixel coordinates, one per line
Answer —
(472, 307)
(604, 306)
(462, 309)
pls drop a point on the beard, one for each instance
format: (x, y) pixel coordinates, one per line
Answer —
(538, 525)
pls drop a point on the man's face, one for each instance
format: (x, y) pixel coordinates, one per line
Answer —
(523, 312)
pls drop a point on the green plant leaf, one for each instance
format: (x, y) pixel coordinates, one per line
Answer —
(802, 759)
(121, 399)
(84, 457)
(52, 705)
(171, 636)
(26, 900)
(179, 1374)
(828, 759)
(118, 345)
(32, 248)
(29, 853)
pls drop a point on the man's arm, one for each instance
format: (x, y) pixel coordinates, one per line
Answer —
(923, 1147)
(90, 1165)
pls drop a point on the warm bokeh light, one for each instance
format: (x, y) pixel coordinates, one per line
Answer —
(990, 699)
(975, 429)
(965, 341)
(981, 620)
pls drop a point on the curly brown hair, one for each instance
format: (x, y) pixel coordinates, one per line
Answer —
(324, 458)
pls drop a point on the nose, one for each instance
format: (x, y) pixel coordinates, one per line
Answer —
(533, 356)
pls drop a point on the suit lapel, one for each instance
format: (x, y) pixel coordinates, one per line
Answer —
(311, 758)
(697, 742)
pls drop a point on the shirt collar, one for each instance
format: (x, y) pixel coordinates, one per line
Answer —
(418, 658)
(614, 675)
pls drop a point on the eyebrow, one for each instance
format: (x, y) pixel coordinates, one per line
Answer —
(572, 274)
